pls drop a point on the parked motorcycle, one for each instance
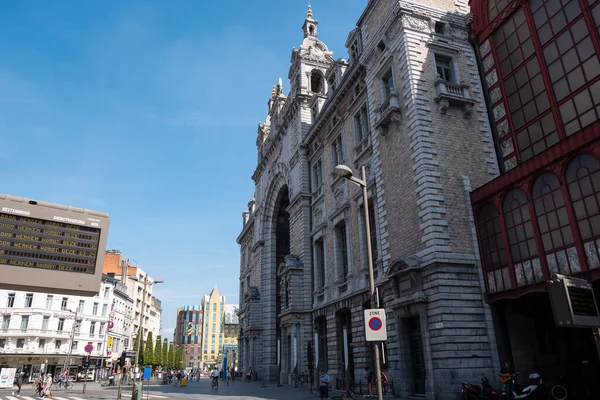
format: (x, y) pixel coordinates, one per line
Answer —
(476, 392)
(535, 390)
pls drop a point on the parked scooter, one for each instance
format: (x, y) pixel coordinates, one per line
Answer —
(534, 391)
(476, 392)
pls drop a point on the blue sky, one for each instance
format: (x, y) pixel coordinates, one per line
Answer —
(148, 110)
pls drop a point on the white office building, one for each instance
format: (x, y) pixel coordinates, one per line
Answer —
(37, 329)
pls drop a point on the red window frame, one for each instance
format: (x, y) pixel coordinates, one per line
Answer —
(493, 250)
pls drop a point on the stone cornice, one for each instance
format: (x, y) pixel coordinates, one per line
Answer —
(246, 229)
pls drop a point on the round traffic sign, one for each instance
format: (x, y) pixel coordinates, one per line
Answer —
(88, 348)
(375, 323)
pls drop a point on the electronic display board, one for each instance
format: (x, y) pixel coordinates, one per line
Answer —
(573, 302)
(50, 247)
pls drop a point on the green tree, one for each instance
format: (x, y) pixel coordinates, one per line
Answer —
(165, 353)
(133, 360)
(171, 356)
(179, 358)
(158, 351)
(149, 350)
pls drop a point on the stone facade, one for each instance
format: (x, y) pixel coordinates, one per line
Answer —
(408, 106)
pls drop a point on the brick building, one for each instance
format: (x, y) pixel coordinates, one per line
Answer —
(408, 104)
(541, 216)
(188, 333)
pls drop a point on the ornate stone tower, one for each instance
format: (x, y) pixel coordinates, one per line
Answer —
(276, 291)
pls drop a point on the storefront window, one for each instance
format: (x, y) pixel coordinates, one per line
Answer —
(492, 244)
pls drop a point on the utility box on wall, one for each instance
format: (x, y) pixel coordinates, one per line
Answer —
(573, 302)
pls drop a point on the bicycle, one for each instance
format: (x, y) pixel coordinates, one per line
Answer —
(297, 381)
(67, 384)
(215, 383)
(564, 387)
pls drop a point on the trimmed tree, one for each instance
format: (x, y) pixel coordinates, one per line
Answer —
(133, 360)
(158, 351)
(165, 353)
(171, 356)
(179, 358)
(149, 350)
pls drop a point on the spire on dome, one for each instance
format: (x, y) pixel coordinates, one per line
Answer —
(310, 24)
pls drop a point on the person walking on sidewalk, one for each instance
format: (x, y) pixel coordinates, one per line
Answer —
(324, 385)
(19, 384)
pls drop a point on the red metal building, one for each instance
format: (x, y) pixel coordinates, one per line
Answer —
(541, 216)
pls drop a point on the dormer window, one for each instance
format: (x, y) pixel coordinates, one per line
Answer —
(381, 46)
(439, 27)
(316, 81)
(354, 51)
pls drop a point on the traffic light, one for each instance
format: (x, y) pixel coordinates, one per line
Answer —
(85, 362)
(122, 358)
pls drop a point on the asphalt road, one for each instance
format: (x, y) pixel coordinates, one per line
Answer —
(195, 390)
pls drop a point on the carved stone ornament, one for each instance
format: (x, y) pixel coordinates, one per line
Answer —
(339, 195)
(318, 215)
(459, 34)
(415, 23)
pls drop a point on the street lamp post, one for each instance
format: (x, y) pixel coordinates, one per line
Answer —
(346, 172)
(140, 330)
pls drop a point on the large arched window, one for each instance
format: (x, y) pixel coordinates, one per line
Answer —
(518, 226)
(583, 179)
(490, 233)
(553, 221)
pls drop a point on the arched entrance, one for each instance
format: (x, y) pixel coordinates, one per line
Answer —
(277, 247)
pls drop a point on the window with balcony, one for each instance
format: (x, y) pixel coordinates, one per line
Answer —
(80, 307)
(29, 300)
(388, 84)
(24, 322)
(361, 128)
(341, 248)
(20, 343)
(41, 343)
(61, 324)
(337, 150)
(49, 299)
(58, 344)
(319, 251)
(45, 323)
(317, 175)
(64, 303)
(10, 302)
(5, 321)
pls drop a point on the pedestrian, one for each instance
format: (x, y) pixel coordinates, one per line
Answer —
(47, 391)
(19, 384)
(232, 373)
(507, 375)
(324, 385)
